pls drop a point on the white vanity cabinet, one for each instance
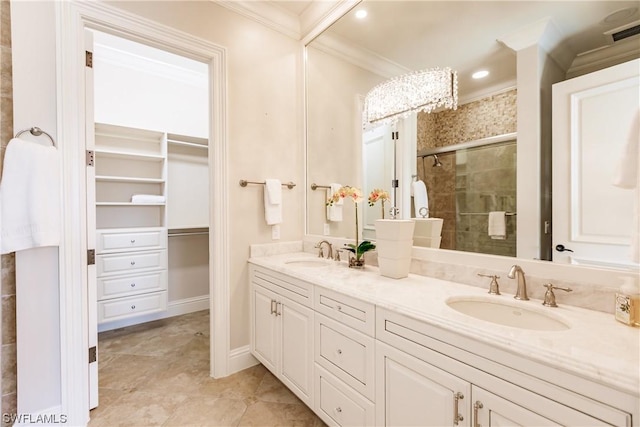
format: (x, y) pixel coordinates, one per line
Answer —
(428, 376)
(344, 359)
(282, 329)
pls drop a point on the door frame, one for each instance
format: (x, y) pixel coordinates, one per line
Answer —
(72, 18)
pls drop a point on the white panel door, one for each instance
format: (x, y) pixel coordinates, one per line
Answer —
(92, 298)
(490, 410)
(592, 121)
(411, 392)
(377, 157)
(264, 327)
(297, 348)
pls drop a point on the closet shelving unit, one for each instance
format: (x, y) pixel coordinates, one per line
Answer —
(131, 238)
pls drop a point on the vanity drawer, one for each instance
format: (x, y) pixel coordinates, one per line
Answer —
(127, 240)
(122, 308)
(121, 263)
(358, 314)
(133, 284)
(338, 405)
(287, 286)
(346, 353)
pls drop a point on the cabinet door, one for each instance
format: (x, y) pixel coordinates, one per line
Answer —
(297, 348)
(411, 392)
(491, 410)
(264, 328)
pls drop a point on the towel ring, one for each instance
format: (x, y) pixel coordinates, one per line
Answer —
(36, 131)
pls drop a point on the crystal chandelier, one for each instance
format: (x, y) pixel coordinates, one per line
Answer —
(400, 96)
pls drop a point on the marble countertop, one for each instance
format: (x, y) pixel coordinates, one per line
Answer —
(596, 346)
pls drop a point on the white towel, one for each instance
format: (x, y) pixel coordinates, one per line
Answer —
(30, 196)
(334, 212)
(497, 227)
(147, 198)
(420, 198)
(273, 201)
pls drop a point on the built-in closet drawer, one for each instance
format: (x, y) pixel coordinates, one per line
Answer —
(121, 263)
(130, 240)
(121, 308)
(132, 284)
(358, 314)
(339, 405)
(346, 353)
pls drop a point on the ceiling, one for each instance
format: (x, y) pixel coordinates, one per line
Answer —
(464, 35)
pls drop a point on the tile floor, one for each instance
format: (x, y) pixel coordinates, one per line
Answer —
(157, 374)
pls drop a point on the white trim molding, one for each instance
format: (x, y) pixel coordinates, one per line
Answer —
(241, 358)
(71, 20)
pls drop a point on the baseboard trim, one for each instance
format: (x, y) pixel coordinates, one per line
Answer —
(174, 308)
(241, 358)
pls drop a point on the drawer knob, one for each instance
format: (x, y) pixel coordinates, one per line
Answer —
(339, 351)
(338, 409)
(133, 263)
(133, 307)
(339, 308)
(133, 285)
(133, 240)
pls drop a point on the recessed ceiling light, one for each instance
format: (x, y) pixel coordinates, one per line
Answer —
(361, 14)
(480, 74)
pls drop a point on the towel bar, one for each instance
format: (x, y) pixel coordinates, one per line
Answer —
(244, 182)
(315, 186)
(36, 131)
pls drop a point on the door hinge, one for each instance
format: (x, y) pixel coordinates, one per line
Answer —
(93, 354)
(91, 256)
(88, 57)
(90, 158)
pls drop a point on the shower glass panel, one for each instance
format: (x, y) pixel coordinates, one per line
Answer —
(471, 183)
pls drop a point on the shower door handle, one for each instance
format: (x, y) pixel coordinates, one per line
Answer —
(561, 248)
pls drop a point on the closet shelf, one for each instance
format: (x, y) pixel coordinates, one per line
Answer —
(129, 179)
(128, 204)
(118, 154)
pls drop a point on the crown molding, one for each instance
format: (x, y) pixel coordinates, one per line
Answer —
(358, 56)
(606, 56)
(266, 14)
(544, 34)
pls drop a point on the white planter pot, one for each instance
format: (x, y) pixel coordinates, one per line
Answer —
(394, 244)
(428, 227)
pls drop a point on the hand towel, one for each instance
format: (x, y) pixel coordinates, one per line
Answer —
(30, 196)
(334, 212)
(147, 198)
(420, 198)
(273, 201)
(497, 227)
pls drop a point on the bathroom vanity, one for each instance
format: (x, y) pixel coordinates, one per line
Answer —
(362, 350)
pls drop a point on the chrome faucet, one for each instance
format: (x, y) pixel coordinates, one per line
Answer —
(521, 291)
(319, 247)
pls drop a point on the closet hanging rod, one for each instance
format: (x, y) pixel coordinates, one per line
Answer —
(192, 233)
(36, 131)
(244, 183)
(188, 231)
(315, 186)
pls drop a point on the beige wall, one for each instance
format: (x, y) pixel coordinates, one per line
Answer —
(8, 261)
(265, 137)
(334, 135)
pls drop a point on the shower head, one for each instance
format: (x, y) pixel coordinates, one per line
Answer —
(436, 161)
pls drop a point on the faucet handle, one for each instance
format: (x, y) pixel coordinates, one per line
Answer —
(550, 296)
(494, 288)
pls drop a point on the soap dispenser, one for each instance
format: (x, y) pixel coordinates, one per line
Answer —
(627, 308)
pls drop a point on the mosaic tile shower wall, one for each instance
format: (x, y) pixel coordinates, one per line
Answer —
(465, 182)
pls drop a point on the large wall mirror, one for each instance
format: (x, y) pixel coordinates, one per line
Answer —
(465, 157)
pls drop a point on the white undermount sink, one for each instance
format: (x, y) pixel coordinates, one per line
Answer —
(507, 313)
(308, 262)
